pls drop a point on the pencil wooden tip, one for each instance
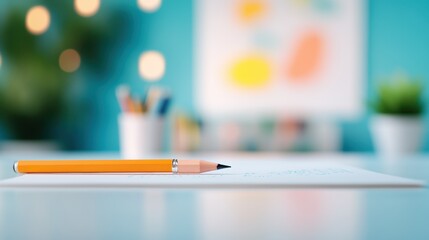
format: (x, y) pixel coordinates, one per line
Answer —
(221, 166)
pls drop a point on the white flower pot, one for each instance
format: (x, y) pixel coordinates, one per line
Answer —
(396, 136)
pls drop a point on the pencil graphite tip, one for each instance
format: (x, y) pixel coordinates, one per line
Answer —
(221, 166)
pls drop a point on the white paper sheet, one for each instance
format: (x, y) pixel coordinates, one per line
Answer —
(268, 173)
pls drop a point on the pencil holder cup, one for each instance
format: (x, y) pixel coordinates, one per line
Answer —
(140, 135)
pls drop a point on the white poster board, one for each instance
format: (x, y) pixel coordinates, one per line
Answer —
(279, 57)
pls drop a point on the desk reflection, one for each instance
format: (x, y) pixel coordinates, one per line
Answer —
(180, 214)
(298, 214)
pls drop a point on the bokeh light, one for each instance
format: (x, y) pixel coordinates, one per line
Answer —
(149, 5)
(86, 8)
(69, 60)
(37, 20)
(151, 65)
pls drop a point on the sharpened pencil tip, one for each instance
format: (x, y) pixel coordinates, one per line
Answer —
(221, 166)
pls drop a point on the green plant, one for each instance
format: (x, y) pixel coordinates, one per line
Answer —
(33, 88)
(399, 95)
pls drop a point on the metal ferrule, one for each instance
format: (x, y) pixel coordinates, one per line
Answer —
(174, 166)
(15, 167)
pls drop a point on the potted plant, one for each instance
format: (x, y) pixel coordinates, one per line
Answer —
(397, 127)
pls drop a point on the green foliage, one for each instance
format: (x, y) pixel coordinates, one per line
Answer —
(399, 95)
(32, 86)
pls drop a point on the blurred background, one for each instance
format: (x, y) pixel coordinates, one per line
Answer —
(244, 75)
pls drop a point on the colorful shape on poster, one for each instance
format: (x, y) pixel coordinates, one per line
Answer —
(325, 6)
(307, 57)
(252, 71)
(251, 10)
(265, 40)
(302, 3)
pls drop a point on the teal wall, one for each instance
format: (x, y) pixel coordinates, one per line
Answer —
(168, 30)
(397, 40)
(398, 37)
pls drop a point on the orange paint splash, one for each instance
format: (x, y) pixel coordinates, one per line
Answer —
(307, 58)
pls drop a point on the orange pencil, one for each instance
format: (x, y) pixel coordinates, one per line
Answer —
(138, 107)
(115, 166)
(131, 106)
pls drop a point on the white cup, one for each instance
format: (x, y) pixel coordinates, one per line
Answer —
(140, 135)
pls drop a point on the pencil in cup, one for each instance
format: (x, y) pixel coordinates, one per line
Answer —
(116, 166)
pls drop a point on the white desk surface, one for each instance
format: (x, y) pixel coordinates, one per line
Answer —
(220, 213)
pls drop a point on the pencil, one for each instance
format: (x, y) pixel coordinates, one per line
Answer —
(116, 166)
(123, 94)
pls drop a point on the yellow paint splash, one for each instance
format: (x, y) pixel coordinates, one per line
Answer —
(252, 71)
(251, 10)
